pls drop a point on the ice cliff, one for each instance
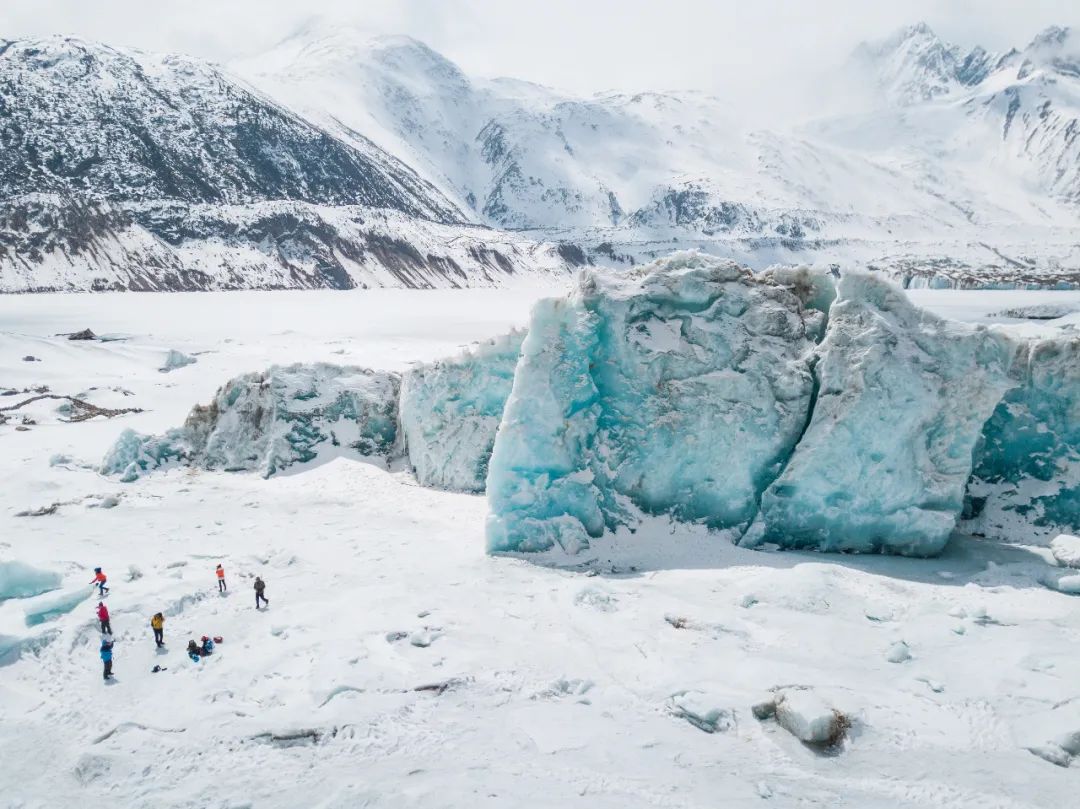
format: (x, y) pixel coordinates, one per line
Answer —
(677, 388)
(450, 412)
(264, 422)
(789, 408)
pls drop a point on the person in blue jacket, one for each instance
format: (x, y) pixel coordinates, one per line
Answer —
(106, 658)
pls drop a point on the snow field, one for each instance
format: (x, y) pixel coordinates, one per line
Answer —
(540, 686)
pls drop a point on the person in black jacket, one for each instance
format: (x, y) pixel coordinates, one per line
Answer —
(260, 588)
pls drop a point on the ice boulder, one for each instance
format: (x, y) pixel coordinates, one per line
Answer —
(264, 422)
(20, 580)
(804, 714)
(677, 388)
(1066, 550)
(1026, 480)
(176, 359)
(902, 398)
(450, 412)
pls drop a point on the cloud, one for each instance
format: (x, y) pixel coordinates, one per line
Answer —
(765, 55)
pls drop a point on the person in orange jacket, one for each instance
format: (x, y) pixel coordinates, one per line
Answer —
(100, 579)
(221, 579)
(157, 623)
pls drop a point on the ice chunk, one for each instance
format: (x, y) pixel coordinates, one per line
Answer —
(902, 399)
(176, 359)
(267, 421)
(20, 580)
(134, 453)
(1026, 480)
(702, 711)
(52, 605)
(680, 387)
(1066, 550)
(450, 412)
(809, 718)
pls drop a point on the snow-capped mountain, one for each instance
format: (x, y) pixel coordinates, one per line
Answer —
(342, 159)
(941, 184)
(122, 169)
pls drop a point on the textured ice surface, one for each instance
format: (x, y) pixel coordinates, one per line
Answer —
(265, 422)
(52, 605)
(902, 399)
(678, 388)
(1026, 481)
(20, 580)
(450, 412)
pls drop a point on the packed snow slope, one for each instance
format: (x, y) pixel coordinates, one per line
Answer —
(399, 665)
(129, 170)
(944, 168)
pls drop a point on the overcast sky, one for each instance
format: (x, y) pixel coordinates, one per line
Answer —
(734, 48)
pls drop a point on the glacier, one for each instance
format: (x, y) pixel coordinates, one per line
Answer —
(902, 398)
(1026, 480)
(264, 422)
(796, 408)
(450, 411)
(679, 388)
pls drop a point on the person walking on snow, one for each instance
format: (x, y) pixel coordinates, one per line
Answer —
(260, 588)
(106, 658)
(157, 623)
(103, 616)
(221, 579)
(100, 579)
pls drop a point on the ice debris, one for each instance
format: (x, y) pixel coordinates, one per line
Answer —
(1066, 550)
(680, 388)
(175, 359)
(450, 412)
(804, 714)
(264, 422)
(701, 711)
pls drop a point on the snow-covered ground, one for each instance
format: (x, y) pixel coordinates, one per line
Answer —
(398, 665)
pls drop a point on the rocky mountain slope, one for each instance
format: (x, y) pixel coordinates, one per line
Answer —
(127, 170)
(896, 184)
(343, 160)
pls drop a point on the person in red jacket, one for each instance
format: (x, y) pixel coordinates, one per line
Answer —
(221, 579)
(100, 579)
(103, 616)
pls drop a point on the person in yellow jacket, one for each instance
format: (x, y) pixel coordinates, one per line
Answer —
(157, 623)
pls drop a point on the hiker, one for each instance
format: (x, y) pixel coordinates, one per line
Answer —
(106, 658)
(100, 579)
(103, 616)
(260, 588)
(157, 623)
(221, 579)
(193, 650)
(207, 648)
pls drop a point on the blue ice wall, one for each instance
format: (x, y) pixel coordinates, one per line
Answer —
(450, 411)
(902, 398)
(678, 388)
(1026, 481)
